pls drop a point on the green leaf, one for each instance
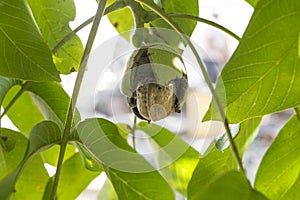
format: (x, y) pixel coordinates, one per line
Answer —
(213, 165)
(53, 19)
(122, 20)
(5, 85)
(42, 100)
(107, 191)
(74, 178)
(131, 175)
(102, 139)
(293, 192)
(51, 99)
(284, 152)
(21, 109)
(23, 52)
(139, 185)
(32, 182)
(261, 76)
(176, 159)
(178, 6)
(232, 185)
(7, 143)
(42, 136)
(9, 161)
(216, 163)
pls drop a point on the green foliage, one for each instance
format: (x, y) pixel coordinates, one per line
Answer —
(232, 185)
(176, 158)
(131, 175)
(21, 109)
(215, 163)
(24, 54)
(53, 19)
(275, 182)
(34, 177)
(74, 178)
(261, 77)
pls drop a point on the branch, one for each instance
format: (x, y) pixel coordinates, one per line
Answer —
(205, 21)
(85, 57)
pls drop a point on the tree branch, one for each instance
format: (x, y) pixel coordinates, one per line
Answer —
(85, 57)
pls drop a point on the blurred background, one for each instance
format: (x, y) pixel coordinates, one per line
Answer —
(100, 92)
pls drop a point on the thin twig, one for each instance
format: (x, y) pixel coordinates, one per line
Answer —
(205, 21)
(133, 132)
(85, 57)
(15, 98)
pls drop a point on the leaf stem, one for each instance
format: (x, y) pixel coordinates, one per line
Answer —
(133, 132)
(115, 6)
(150, 4)
(205, 21)
(83, 64)
(15, 98)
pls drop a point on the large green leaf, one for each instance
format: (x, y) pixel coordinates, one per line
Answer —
(131, 175)
(178, 6)
(32, 182)
(216, 163)
(23, 52)
(176, 159)
(53, 18)
(232, 185)
(261, 76)
(74, 178)
(280, 166)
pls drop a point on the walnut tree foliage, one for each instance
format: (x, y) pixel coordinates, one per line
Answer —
(261, 77)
